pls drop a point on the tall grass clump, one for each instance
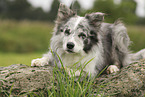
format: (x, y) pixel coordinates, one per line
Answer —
(69, 85)
(73, 86)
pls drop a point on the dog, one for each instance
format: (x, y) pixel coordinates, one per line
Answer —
(87, 42)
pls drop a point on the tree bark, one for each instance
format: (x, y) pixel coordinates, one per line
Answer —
(19, 79)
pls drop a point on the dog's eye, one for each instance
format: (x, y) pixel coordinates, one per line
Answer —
(82, 35)
(92, 33)
(61, 30)
(67, 32)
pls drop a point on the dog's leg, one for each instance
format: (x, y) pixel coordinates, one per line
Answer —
(138, 56)
(45, 60)
(112, 69)
(39, 61)
(121, 41)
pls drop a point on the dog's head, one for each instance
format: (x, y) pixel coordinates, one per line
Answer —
(79, 33)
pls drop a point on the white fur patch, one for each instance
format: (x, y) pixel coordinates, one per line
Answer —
(77, 22)
(112, 69)
(39, 62)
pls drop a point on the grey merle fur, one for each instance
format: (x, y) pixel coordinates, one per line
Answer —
(79, 39)
(112, 53)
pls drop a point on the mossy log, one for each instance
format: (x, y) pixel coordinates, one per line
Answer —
(21, 79)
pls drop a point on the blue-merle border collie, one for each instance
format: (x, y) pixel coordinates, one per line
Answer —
(76, 40)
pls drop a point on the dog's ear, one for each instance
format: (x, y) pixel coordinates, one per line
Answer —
(95, 19)
(64, 13)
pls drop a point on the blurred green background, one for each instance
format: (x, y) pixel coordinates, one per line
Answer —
(25, 31)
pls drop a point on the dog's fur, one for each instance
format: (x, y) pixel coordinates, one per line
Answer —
(76, 40)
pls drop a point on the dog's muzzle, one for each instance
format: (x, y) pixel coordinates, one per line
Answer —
(70, 46)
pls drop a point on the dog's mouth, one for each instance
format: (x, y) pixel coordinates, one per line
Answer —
(70, 51)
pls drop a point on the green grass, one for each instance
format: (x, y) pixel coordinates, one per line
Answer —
(69, 86)
(7, 59)
(24, 36)
(20, 39)
(137, 36)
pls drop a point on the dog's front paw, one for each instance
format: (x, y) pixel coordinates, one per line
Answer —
(39, 62)
(112, 69)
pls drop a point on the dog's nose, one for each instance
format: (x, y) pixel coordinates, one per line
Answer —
(70, 45)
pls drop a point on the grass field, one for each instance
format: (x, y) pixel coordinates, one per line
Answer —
(22, 41)
(7, 59)
(137, 36)
(24, 36)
